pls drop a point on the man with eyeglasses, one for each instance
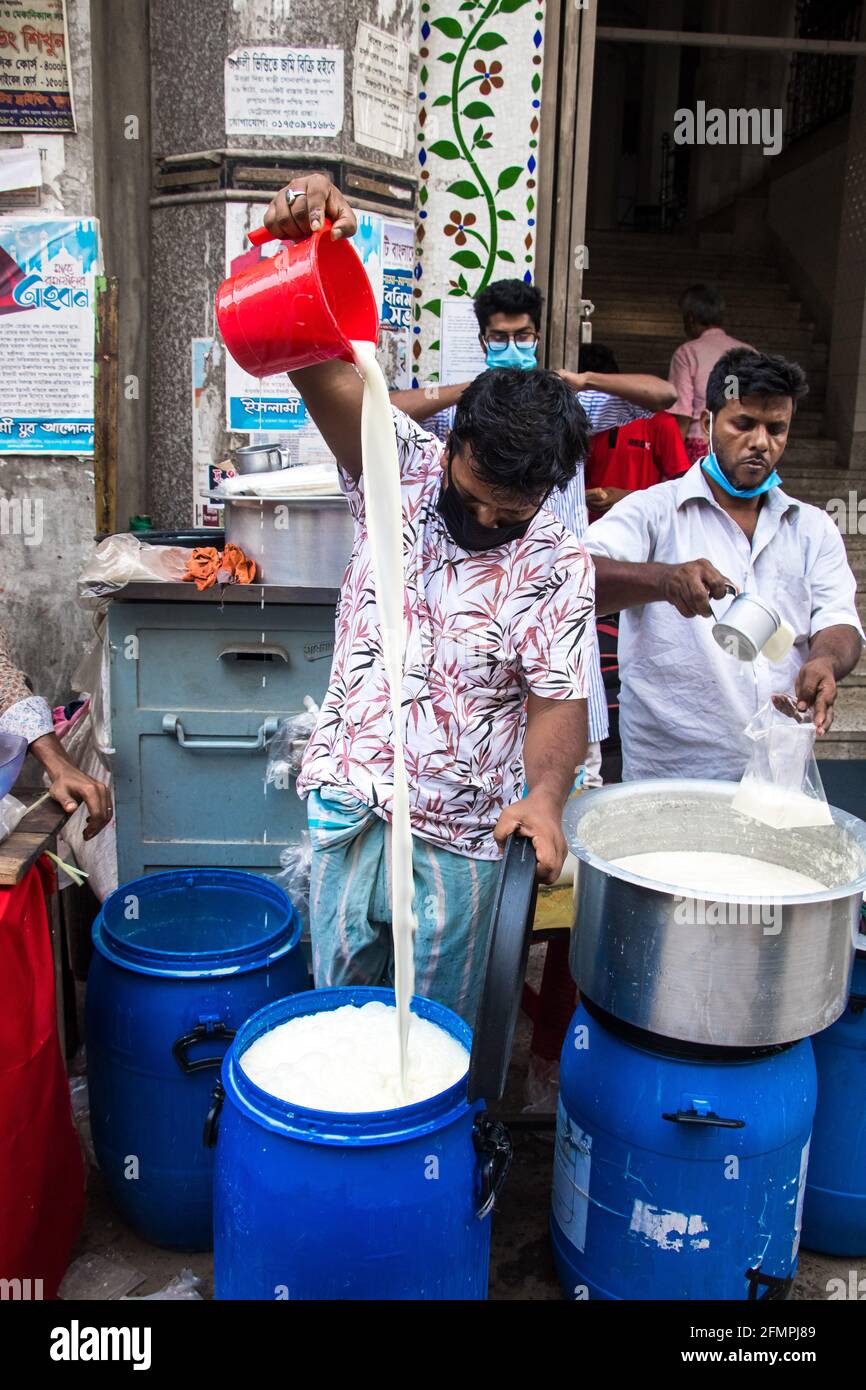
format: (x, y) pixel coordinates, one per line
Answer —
(509, 323)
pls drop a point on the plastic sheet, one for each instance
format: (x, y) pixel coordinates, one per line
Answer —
(181, 1288)
(123, 559)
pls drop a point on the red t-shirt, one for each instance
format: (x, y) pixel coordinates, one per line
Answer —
(637, 455)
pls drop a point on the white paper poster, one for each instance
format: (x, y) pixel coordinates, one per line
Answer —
(284, 91)
(35, 86)
(207, 429)
(383, 104)
(460, 354)
(48, 270)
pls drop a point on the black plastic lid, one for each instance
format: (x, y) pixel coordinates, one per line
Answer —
(504, 969)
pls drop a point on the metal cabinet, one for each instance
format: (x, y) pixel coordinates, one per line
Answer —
(197, 691)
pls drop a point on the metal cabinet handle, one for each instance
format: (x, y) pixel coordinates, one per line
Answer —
(255, 651)
(694, 1117)
(171, 725)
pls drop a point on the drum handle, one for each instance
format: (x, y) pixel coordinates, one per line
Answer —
(493, 1144)
(200, 1033)
(211, 1124)
(694, 1117)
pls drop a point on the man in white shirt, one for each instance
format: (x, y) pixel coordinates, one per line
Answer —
(685, 702)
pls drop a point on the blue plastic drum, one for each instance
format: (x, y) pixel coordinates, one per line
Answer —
(182, 959)
(678, 1177)
(311, 1204)
(834, 1216)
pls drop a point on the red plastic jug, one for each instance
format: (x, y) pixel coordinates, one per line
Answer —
(304, 305)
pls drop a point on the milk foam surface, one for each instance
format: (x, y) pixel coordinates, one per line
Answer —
(704, 871)
(348, 1059)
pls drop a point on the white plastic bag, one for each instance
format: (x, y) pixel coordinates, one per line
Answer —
(782, 786)
(294, 878)
(11, 811)
(286, 748)
(182, 1287)
(124, 559)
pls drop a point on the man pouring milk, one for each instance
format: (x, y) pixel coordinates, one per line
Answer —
(684, 701)
(499, 621)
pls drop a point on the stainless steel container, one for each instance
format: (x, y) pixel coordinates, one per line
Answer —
(746, 626)
(723, 970)
(305, 543)
(257, 458)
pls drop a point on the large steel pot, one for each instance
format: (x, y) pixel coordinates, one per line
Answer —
(724, 970)
(305, 543)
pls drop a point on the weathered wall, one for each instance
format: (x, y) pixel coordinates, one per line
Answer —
(478, 120)
(37, 581)
(804, 210)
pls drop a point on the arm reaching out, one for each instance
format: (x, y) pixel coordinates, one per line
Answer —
(621, 584)
(421, 402)
(647, 392)
(554, 747)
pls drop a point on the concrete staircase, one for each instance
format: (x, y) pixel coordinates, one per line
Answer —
(635, 280)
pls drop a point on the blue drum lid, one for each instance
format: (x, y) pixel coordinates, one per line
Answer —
(196, 922)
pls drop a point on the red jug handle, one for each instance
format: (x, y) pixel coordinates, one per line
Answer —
(261, 235)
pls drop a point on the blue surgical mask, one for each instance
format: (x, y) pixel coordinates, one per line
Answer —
(513, 355)
(712, 468)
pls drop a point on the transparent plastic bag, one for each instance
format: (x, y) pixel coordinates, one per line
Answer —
(286, 748)
(294, 877)
(182, 1287)
(11, 811)
(124, 559)
(782, 786)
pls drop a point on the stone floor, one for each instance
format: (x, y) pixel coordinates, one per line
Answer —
(521, 1264)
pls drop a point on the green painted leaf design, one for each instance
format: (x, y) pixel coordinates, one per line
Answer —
(479, 134)
(489, 41)
(443, 100)
(508, 178)
(509, 6)
(447, 57)
(433, 306)
(449, 27)
(505, 256)
(467, 258)
(505, 216)
(446, 149)
(536, 81)
(434, 347)
(422, 194)
(464, 189)
(484, 144)
(476, 109)
(423, 76)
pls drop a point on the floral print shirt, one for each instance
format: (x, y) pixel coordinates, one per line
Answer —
(21, 712)
(482, 629)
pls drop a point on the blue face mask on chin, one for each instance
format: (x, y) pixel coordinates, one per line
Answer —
(712, 468)
(513, 355)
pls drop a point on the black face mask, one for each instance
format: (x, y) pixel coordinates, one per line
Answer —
(466, 531)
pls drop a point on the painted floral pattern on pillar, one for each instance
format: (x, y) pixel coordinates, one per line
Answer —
(478, 119)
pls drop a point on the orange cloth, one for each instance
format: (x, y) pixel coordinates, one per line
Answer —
(206, 567)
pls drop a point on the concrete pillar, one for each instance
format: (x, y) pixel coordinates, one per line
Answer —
(846, 379)
(660, 96)
(189, 46)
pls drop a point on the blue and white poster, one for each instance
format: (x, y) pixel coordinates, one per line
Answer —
(48, 269)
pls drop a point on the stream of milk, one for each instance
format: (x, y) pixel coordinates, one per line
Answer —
(383, 501)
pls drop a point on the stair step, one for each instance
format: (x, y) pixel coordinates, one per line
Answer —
(649, 316)
(622, 283)
(797, 344)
